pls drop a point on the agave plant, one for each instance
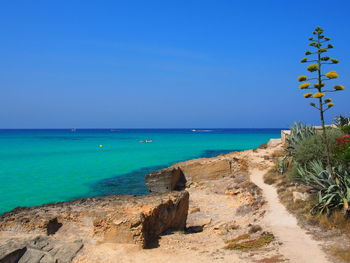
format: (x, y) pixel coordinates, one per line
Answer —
(298, 132)
(333, 192)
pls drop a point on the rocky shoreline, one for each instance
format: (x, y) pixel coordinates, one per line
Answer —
(71, 231)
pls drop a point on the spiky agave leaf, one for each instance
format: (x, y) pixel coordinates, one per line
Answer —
(332, 194)
(299, 132)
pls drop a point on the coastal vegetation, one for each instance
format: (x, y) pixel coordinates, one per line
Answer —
(320, 43)
(320, 159)
(305, 186)
(312, 175)
(305, 163)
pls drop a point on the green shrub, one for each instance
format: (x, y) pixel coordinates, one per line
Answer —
(311, 148)
(346, 129)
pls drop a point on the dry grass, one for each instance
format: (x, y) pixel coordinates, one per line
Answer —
(239, 238)
(273, 259)
(278, 153)
(340, 253)
(263, 240)
(270, 177)
(337, 220)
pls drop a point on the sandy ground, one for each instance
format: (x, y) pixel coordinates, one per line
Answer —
(216, 211)
(297, 246)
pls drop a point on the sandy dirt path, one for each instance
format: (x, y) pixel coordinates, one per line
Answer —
(297, 246)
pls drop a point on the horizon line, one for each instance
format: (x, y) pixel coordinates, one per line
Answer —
(192, 128)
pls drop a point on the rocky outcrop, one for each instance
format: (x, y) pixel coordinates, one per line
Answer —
(56, 232)
(205, 169)
(180, 175)
(166, 180)
(227, 165)
(144, 222)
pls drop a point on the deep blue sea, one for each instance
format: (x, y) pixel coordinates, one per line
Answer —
(41, 166)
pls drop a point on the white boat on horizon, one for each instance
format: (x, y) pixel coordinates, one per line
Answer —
(146, 141)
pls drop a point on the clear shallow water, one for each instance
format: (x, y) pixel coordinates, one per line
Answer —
(41, 166)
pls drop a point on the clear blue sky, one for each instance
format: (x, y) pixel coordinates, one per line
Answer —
(166, 63)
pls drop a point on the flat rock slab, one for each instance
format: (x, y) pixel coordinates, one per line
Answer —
(39, 250)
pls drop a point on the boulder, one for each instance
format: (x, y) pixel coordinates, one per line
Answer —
(166, 180)
(297, 196)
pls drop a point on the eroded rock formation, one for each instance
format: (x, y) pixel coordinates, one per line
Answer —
(56, 232)
(177, 176)
(166, 180)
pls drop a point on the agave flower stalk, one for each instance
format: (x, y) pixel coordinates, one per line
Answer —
(321, 45)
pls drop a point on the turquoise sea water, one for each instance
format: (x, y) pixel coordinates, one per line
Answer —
(41, 166)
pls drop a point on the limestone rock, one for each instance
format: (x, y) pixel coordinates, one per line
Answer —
(198, 219)
(144, 226)
(41, 249)
(117, 219)
(297, 196)
(273, 142)
(200, 170)
(166, 180)
(206, 169)
(194, 210)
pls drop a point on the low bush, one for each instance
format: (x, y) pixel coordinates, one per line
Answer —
(311, 148)
(346, 129)
(342, 148)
